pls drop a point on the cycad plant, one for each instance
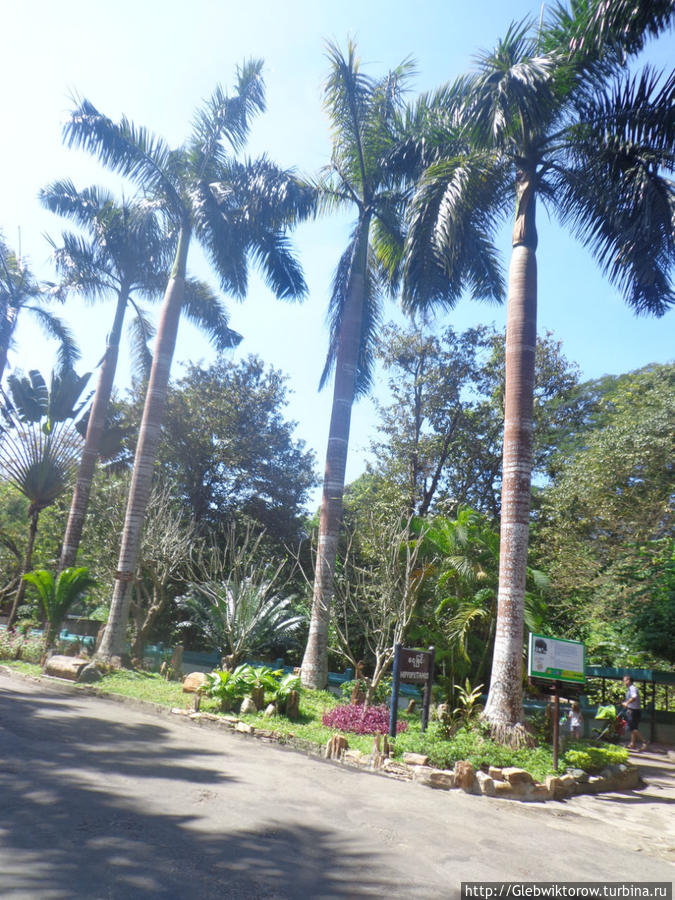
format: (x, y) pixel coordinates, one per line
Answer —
(550, 116)
(236, 210)
(58, 595)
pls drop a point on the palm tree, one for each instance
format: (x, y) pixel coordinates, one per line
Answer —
(367, 121)
(549, 115)
(370, 127)
(21, 292)
(40, 447)
(235, 210)
(127, 254)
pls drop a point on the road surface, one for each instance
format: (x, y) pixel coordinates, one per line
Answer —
(103, 801)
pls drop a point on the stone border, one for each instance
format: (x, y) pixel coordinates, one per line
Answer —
(508, 783)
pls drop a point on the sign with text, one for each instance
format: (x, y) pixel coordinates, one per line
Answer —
(415, 665)
(554, 659)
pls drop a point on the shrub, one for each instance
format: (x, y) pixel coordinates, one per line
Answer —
(357, 720)
(381, 695)
(594, 758)
(28, 647)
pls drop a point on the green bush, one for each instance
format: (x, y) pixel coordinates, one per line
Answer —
(593, 758)
(28, 647)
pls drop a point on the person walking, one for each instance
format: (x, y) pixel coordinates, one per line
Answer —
(633, 713)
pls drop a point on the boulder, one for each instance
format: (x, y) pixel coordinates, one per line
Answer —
(464, 775)
(270, 710)
(356, 758)
(244, 728)
(248, 707)
(495, 773)
(516, 776)
(293, 705)
(485, 783)
(503, 789)
(435, 778)
(90, 674)
(415, 759)
(194, 682)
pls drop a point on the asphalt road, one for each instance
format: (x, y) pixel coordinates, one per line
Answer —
(105, 802)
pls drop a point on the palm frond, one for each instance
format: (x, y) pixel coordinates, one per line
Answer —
(206, 310)
(141, 331)
(125, 148)
(67, 350)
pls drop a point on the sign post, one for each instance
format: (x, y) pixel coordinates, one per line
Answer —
(550, 663)
(414, 667)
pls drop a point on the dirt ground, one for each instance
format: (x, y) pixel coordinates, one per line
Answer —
(107, 800)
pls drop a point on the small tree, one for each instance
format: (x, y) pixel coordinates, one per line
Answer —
(377, 598)
(57, 596)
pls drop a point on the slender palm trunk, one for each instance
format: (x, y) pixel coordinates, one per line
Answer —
(315, 660)
(113, 643)
(28, 559)
(504, 708)
(8, 331)
(92, 444)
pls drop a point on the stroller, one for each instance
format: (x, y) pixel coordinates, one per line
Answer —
(614, 725)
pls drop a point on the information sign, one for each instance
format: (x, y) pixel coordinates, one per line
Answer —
(555, 659)
(414, 666)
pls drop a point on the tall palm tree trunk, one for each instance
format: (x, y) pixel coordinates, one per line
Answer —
(504, 708)
(28, 559)
(113, 643)
(315, 660)
(92, 444)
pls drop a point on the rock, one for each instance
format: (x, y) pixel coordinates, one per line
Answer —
(411, 706)
(495, 773)
(248, 707)
(90, 674)
(178, 711)
(336, 747)
(393, 767)
(356, 758)
(516, 776)
(244, 728)
(595, 783)
(538, 793)
(293, 705)
(580, 776)
(270, 710)
(435, 778)
(415, 759)
(560, 786)
(486, 784)
(503, 789)
(464, 775)
(68, 667)
(194, 682)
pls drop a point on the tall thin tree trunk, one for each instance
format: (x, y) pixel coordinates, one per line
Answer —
(10, 325)
(113, 643)
(92, 444)
(315, 659)
(504, 708)
(28, 559)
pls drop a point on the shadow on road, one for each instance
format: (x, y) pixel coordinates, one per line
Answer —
(61, 837)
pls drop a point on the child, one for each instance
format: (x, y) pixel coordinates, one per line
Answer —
(576, 721)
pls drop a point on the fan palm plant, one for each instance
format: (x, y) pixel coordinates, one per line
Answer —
(549, 116)
(235, 210)
(127, 253)
(58, 595)
(21, 292)
(367, 118)
(40, 447)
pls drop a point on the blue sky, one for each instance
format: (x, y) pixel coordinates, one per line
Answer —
(156, 61)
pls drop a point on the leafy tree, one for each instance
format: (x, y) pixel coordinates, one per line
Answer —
(366, 120)
(606, 522)
(441, 433)
(231, 453)
(234, 210)
(21, 292)
(58, 596)
(549, 115)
